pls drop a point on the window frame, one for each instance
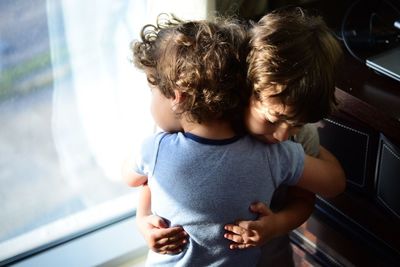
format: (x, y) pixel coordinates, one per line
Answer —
(112, 243)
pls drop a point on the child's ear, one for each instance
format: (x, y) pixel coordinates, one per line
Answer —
(177, 100)
(179, 97)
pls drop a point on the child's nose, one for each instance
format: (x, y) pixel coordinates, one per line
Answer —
(282, 133)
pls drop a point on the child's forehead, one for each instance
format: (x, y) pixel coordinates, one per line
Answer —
(274, 104)
(275, 107)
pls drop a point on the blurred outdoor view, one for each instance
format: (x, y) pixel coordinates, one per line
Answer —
(68, 99)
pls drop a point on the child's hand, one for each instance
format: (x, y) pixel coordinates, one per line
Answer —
(247, 234)
(159, 237)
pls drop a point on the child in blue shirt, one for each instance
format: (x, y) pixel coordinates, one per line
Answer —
(195, 71)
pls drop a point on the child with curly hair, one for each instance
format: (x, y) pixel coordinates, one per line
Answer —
(203, 174)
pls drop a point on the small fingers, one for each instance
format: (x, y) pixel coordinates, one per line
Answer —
(161, 233)
(240, 246)
(159, 238)
(241, 235)
(238, 233)
(234, 238)
(172, 248)
(236, 229)
(170, 252)
(172, 237)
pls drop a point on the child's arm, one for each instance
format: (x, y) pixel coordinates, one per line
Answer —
(323, 175)
(130, 177)
(154, 229)
(298, 207)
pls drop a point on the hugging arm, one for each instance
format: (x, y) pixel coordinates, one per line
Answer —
(323, 175)
(159, 237)
(326, 179)
(298, 207)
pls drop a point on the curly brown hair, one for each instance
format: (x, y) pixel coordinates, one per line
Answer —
(201, 59)
(293, 56)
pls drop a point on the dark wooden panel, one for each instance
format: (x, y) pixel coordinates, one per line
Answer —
(388, 176)
(354, 147)
(357, 110)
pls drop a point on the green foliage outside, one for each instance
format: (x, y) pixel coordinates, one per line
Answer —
(28, 76)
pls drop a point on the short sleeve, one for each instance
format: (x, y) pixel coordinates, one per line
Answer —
(286, 162)
(308, 137)
(145, 156)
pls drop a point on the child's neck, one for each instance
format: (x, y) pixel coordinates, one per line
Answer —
(211, 130)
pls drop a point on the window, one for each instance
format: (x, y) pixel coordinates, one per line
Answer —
(72, 106)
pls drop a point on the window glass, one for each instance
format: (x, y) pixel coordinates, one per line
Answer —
(72, 106)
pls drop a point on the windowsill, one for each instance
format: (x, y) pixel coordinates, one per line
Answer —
(109, 246)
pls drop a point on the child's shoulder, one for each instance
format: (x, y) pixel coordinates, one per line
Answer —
(308, 129)
(308, 137)
(275, 147)
(157, 137)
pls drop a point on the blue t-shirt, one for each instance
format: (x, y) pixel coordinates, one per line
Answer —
(202, 185)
